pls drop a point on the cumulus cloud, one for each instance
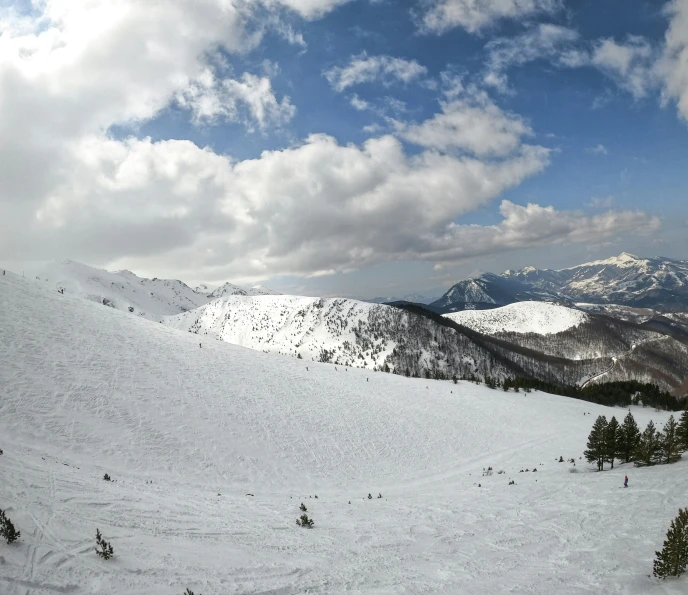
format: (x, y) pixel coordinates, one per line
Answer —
(477, 15)
(249, 100)
(368, 69)
(629, 64)
(472, 123)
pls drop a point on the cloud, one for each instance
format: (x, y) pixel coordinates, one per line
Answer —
(672, 67)
(629, 64)
(68, 188)
(544, 41)
(598, 150)
(476, 15)
(534, 225)
(309, 9)
(473, 124)
(249, 100)
(604, 202)
(368, 69)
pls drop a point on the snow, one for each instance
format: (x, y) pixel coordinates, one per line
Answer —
(88, 390)
(521, 317)
(289, 325)
(232, 289)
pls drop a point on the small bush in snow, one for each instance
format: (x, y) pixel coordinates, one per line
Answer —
(305, 522)
(103, 548)
(7, 530)
(189, 592)
(561, 459)
(106, 477)
(303, 507)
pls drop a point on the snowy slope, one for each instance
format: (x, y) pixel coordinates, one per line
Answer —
(289, 325)
(122, 290)
(187, 433)
(232, 289)
(521, 317)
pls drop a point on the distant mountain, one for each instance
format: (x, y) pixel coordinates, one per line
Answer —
(658, 283)
(232, 289)
(488, 291)
(415, 298)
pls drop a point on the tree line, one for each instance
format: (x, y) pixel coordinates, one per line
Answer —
(611, 441)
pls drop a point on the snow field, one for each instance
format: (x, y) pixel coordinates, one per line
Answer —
(541, 318)
(88, 390)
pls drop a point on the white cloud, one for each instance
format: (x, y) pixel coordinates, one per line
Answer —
(544, 41)
(476, 15)
(472, 123)
(368, 69)
(672, 67)
(629, 64)
(359, 104)
(249, 100)
(534, 225)
(598, 150)
(309, 9)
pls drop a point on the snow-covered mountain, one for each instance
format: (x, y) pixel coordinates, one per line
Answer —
(488, 290)
(123, 290)
(232, 289)
(659, 283)
(625, 279)
(521, 317)
(212, 450)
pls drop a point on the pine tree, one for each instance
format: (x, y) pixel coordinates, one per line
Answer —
(673, 558)
(7, 530)
(669, 445)
(612, 440)
(103, 548)
(303, 507)
(682, 431)
(596, 452)
(648, 450)
(630, 436)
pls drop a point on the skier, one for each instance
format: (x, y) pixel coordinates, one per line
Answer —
(200, 346)
(626, 481)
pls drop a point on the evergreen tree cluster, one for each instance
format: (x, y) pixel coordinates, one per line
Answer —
(609, 441)
(103, 548)
(611, 394)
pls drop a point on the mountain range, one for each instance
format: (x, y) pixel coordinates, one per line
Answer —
(657, 283)
(539, 333)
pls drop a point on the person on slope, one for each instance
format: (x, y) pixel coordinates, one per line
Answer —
(626, 481)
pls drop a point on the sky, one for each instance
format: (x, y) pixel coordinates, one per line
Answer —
(341, 147)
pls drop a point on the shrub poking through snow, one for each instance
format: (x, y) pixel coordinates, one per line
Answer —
(106, 477)
(103, 548)
(673, 558)
(189, 592)
(305, 522)
(303, 507)
(7, 530)
(370, 497)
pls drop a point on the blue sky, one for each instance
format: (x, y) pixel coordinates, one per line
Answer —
(343, 147)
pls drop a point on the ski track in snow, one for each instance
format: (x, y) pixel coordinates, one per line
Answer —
(88, 390)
